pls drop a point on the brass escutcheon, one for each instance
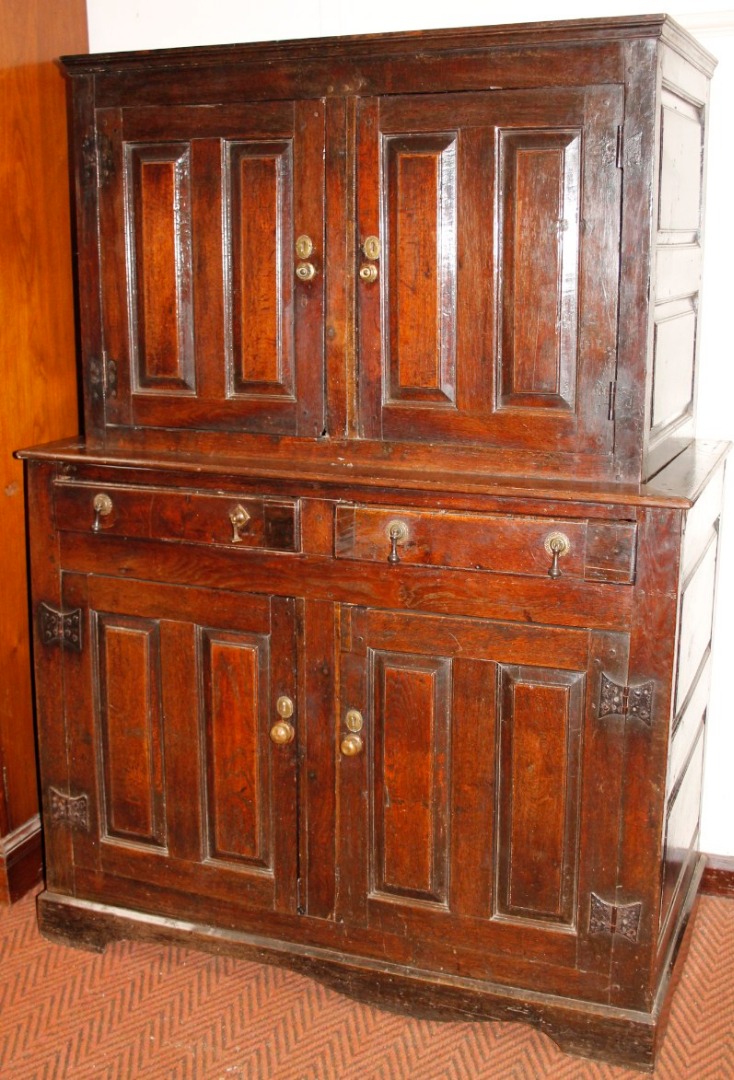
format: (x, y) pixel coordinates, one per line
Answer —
(284, 707)
(304, 246)
(371, 247)
(354, 720)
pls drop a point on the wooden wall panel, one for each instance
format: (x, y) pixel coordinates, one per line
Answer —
(39, 400)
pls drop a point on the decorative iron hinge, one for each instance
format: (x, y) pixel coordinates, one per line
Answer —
(72, 810)
(616, 700)
(62, 627)
(612, 400)
(622, 919)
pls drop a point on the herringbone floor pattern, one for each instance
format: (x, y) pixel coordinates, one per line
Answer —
(155, 1012)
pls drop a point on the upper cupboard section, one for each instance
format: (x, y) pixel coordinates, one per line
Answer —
(485, 267)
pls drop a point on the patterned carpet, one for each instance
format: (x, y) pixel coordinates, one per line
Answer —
(148, 1011)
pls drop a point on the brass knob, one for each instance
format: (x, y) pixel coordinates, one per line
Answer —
(239, 518)
(305, 271)
(282, 732)
(102, 507)
(352, 745)
(368, 273)
(557, 545)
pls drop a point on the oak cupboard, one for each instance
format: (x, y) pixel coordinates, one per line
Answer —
(373, 611)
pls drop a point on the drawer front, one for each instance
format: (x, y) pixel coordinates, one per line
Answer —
(511, 544)
(229, 520)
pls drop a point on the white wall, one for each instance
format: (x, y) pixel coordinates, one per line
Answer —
(149, 24)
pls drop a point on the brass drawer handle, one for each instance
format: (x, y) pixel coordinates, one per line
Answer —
(397, 532)
(557, 545)
(239, 518)
(102, 507)
(368, 273)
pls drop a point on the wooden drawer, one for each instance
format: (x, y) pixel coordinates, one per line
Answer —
(513, 544)
(230, 520)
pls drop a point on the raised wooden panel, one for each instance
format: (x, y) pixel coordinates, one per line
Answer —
(258, 254)
(539, 762)
(234, 718)
(681, 165)
(674, 354)
(411, 790)
(682, 825)
(130, 724)
(158, 211)
(419, 208)
(696, 620)
(538, 273)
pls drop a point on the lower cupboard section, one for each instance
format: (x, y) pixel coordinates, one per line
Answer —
(476, 794)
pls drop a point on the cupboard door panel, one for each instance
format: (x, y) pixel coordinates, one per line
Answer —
(158, 211)
(130, 728)
(234, 719)
(540, 724)
(168, 714)
(492, 346)
(258, 182)
(411, 804)
(206, 323)
(464, 817)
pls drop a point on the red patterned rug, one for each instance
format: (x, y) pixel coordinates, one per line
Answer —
(149, 1011)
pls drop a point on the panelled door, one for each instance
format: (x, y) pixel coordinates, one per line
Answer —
(477, 817)
(488, 312)
(170, 708)
(211, 230)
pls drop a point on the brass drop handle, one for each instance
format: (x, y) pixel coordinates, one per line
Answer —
(352, 744)
(557, 545)
(282, 731)
(102, 507)
(305, 271)
(397, 532)
(239, 518)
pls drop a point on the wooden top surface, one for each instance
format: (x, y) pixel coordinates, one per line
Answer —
(411, 42)
(677, 485)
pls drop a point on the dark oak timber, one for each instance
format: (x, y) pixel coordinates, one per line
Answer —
(373, 612)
